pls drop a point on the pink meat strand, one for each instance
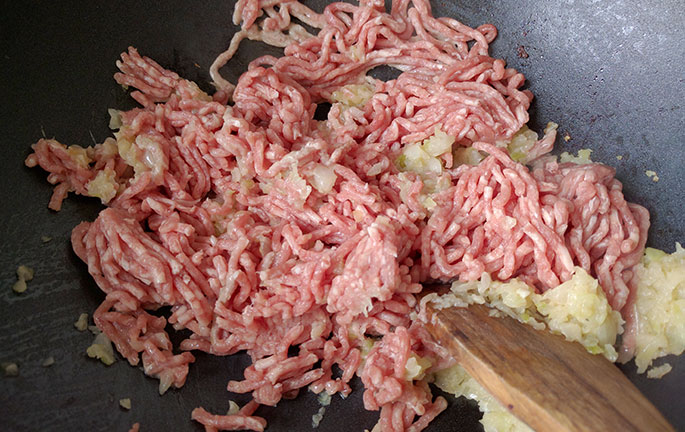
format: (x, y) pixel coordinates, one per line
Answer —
(217, 220)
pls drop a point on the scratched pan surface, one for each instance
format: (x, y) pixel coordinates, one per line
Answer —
(609, 72)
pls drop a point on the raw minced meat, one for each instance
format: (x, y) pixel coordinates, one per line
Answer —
(304, 242)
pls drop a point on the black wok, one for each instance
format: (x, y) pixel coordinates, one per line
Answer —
(610, 72)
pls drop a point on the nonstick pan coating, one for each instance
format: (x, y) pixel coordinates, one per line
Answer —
(610, 72)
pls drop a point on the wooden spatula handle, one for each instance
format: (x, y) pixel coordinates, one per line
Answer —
(544, 380)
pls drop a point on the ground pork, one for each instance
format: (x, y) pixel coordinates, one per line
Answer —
(301, 241)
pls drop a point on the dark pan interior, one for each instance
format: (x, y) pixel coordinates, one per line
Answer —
(610, 72)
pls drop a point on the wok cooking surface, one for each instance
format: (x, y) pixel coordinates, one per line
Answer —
(609, 72)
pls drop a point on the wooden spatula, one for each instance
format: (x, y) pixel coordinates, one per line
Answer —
(547, 382)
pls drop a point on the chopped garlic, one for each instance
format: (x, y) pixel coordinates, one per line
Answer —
(197, 93)
(316, 418)
(48, 362)
(660, 306)
(416, 367)
(467, 156)
(514, 298)
(166, 379)
(423, 158)
(438, 144)
(114, 118)
(323, 178)
(82, 323)
(125, 403)
(79, 155)
(579, 310)
(102, 349)
(19, 286)
(354, 95)
(356, 53)
(659, 371)
(496, 418)
(521, 143)
(25, 273)
(103, 186)
(143, 154)
(582, 158)
(10, 369)
(324, 398)
(317, 329)
(300, 185)
(233, 408)
(651, 174)
(576, 309)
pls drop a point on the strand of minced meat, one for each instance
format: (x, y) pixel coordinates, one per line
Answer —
(266, 230)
